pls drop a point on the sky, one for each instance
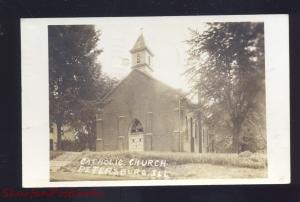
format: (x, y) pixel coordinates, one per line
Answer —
(166, 39)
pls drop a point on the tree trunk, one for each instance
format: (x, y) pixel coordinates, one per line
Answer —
(235, 139)
(59, 125)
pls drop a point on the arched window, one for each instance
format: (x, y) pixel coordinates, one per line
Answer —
(136, 127)
(138, 58)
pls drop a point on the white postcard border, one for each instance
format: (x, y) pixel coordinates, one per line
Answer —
(35, 102)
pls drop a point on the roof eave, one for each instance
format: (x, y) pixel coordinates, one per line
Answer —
(134, 50)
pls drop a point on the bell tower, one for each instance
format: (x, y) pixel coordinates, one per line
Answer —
(141, 56)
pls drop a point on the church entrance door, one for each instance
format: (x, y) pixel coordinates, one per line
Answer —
(136, 136)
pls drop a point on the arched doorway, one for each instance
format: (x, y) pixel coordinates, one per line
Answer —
(136, 136)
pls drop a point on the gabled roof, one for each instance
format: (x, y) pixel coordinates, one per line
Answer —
(140, 45)
(109, 94)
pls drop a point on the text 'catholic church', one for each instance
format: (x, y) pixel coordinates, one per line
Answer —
(144, 114)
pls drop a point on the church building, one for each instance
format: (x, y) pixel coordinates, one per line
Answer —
(143, 114)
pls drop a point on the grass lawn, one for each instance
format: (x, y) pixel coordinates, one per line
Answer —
(179, 166)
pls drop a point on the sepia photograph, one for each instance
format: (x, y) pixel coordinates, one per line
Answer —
(155, 101)
(183, 103)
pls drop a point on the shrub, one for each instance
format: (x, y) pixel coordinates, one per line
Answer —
(245, 154)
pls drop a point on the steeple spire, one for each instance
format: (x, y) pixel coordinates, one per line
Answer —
(140, 45)
(141, 55)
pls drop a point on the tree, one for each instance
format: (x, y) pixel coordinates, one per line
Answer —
(75, 79)
(226, 68)
(84, 119)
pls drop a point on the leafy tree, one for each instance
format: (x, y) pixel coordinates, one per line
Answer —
(84, 112)
(226, 69)
(75, 79)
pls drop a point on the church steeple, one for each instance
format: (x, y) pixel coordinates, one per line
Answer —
(141, 55)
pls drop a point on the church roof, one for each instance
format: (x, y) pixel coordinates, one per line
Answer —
(140, 45)
(176, 91)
